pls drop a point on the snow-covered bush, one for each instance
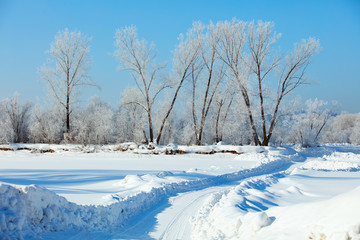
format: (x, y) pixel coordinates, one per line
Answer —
(15, 119)
(46, 126)
(355, 134)
(340, 129)
(128, 122)
(96, 123)
(309, 124)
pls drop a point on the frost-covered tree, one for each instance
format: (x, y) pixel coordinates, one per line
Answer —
(15, 120)
(3, 137)
(96, 123)
(355, 135)
(247, 50)
(136, 56)
(206, 77)
(66, 70)
(340, 128)
(46, 126)
(309, 124)
(130, 119)
(185, 57)
(224, 102)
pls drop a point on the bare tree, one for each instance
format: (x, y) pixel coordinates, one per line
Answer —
(185, 57)
(261, 61)
(136, 56)
(292, 76)
(224, 102)
(231, 52)
(205, 81)
(132, 120)
(70, 54)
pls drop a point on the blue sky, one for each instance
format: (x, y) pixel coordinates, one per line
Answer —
(28, 27)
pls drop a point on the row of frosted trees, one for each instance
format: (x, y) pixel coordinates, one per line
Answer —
(307, 124)
(227, 81)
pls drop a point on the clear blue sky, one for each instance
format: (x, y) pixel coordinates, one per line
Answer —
(28, 27)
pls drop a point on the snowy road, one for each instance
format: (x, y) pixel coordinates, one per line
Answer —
(174, 221)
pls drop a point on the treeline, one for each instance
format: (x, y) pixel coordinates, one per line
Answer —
(307, 124)
(227, 82)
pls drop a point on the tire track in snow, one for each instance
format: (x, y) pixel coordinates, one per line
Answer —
(180, 213)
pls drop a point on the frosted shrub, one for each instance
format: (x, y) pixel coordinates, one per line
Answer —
(355, 134)
(14, 120)
(309, 125)
(96, 123)
(340, 129)
(46, 126)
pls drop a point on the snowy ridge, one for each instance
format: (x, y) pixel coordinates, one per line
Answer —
(331, 166)
(27, 211)
(242, 211)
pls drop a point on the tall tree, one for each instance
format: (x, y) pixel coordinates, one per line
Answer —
(231, 52)
(70, 55)
(248, 52)
(261, 61)
(186, 55)
(136, 56)
(205, 81)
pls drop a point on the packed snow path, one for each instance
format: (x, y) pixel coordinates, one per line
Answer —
(174, 222)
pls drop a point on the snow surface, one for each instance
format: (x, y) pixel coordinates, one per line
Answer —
(210, 192)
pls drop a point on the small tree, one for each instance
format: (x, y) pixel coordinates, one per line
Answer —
(70, 55)
(46, 126)
(309, 124)
(355, 135)
(340, 128)
(17, 119)
(96, 124)
(223, 101)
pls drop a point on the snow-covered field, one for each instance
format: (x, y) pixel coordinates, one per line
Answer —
(210, 192)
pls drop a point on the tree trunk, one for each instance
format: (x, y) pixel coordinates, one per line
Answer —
(217, 132)
(170, 108)
(67, 115)
(150, 127)
(262, 105)
(251, 119)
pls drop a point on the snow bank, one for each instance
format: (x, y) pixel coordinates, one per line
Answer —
(241, 208)
(251, 209)
(336, 218)
(330, 166)
(27, 211)
(336, 161)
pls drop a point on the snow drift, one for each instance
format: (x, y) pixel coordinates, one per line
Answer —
(29, 210)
